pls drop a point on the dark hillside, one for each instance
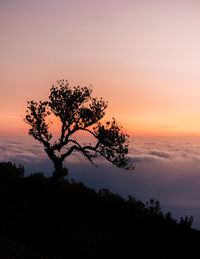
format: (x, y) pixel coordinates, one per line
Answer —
(41, 220)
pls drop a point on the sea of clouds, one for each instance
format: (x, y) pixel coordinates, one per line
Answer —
(167, 169)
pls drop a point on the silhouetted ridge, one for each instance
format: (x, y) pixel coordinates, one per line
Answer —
(70, 220)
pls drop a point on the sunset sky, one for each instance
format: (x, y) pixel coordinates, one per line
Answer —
(143, 57)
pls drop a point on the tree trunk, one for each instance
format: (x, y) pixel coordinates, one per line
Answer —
(59, 172)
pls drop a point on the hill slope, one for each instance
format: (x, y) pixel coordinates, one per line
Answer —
(69, 220)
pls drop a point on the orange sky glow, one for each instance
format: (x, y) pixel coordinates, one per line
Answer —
(143, 57)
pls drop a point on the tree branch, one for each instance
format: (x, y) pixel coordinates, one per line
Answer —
(63, 156)
(78, 147)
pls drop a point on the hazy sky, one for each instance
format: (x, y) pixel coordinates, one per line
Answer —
(141, 56)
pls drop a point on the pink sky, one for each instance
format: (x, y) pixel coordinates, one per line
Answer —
(141, 56)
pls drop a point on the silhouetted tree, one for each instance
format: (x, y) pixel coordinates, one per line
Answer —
(77, 111)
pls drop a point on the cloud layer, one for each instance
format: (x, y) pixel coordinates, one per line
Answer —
(177, 149)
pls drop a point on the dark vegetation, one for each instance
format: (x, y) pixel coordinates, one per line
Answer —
(76, 111)
(39, 219)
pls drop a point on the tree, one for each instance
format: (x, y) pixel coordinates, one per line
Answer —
(77, 111)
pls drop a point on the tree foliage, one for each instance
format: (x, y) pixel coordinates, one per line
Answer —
(77, 111)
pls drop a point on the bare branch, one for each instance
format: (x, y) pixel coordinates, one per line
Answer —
(77, 147)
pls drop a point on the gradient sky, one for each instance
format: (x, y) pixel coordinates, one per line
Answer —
(141, 56)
